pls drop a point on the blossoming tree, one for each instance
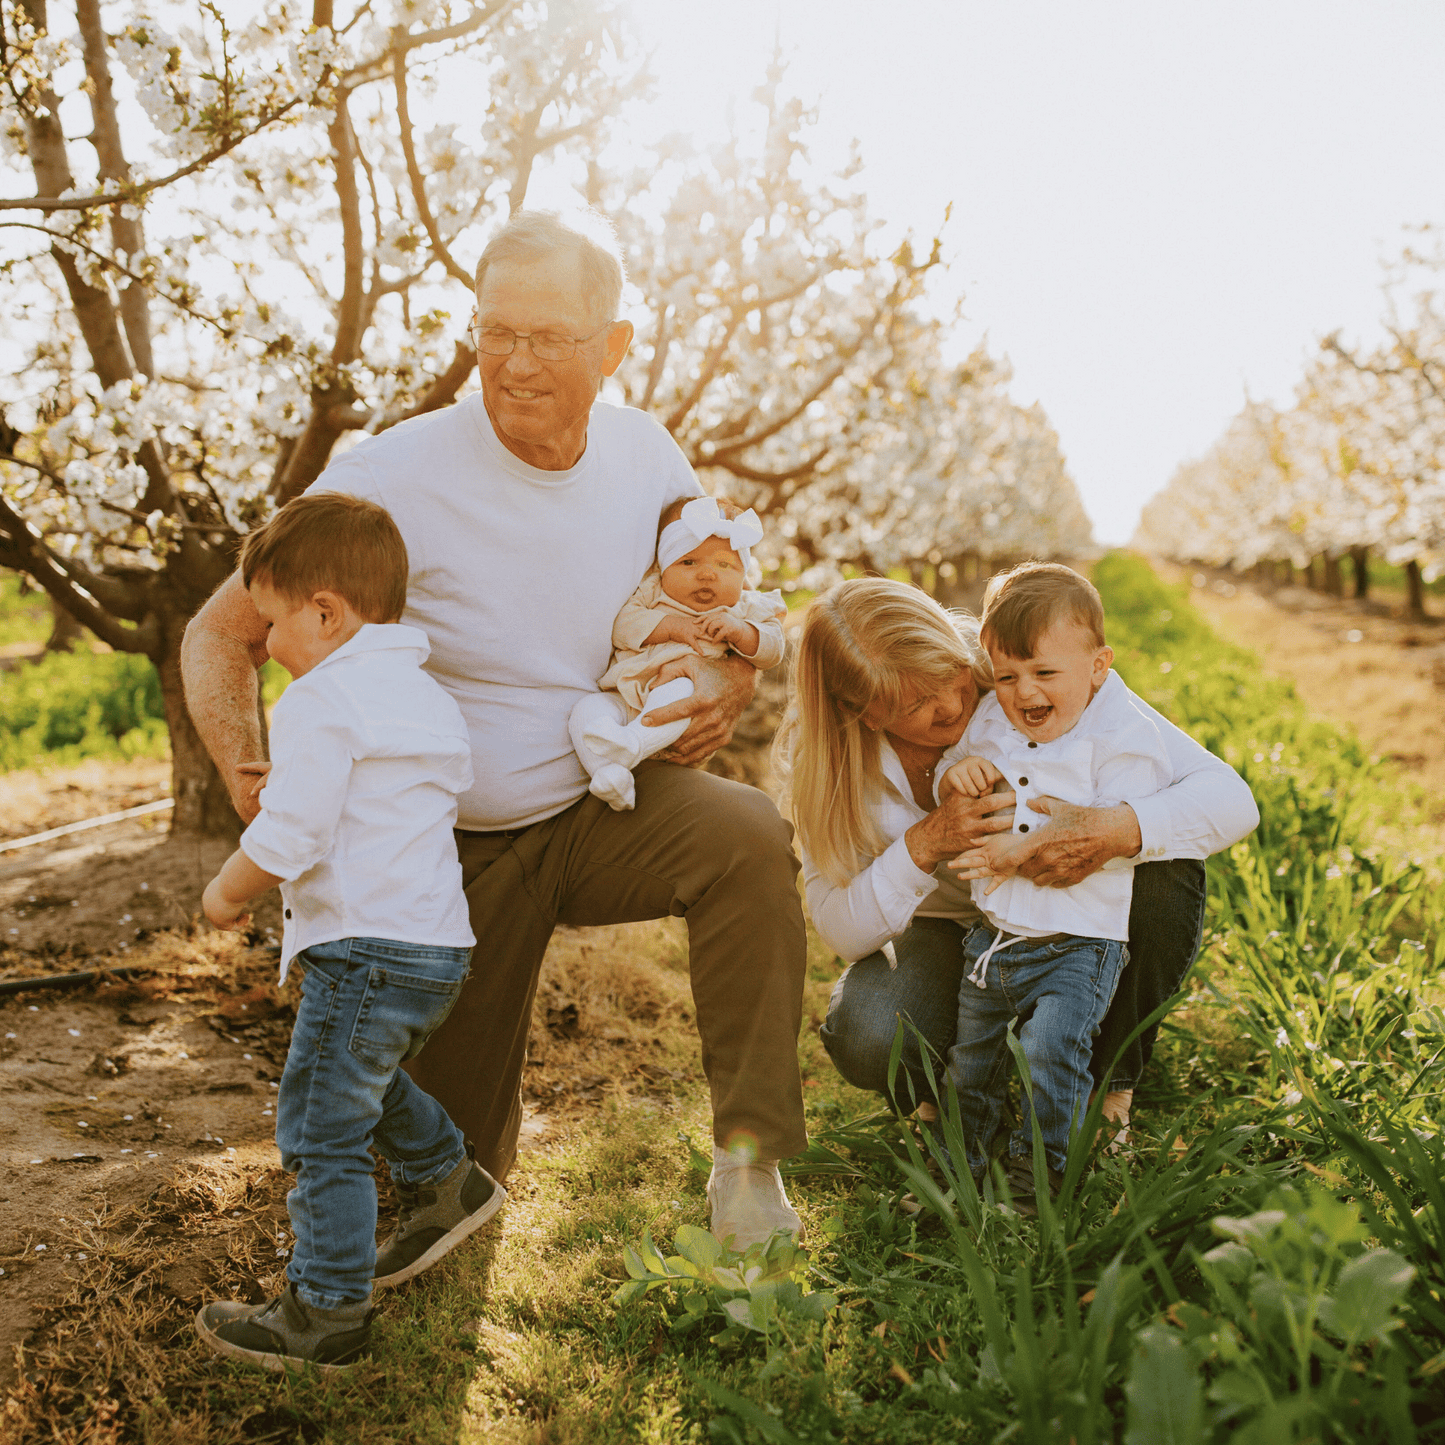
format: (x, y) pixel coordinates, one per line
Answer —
(239, 264)
(229, 248)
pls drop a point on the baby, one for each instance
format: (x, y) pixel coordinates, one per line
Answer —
(694, 601)
(1058, 722)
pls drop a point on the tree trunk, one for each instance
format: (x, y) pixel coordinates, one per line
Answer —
(203, 805)
(1360, 556)
(1416, 585)
(65, 631)
(1334, 580)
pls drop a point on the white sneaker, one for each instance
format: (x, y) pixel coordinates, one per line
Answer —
(748, 1201)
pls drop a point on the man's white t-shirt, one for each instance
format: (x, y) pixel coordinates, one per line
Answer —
(516, 575)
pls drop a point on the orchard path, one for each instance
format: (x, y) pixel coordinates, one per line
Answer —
(1363, 664)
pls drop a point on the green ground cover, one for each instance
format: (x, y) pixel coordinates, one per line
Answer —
(67, 706)
(1265, 1263)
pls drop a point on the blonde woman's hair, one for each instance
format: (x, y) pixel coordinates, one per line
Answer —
(869, 640)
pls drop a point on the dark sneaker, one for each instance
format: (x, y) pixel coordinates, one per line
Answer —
(435, 1218)
(1020, 1174)
(286, 1333)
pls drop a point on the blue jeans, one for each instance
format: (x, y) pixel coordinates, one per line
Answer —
(1165, 921)
(366, 1004)
(1058, 990)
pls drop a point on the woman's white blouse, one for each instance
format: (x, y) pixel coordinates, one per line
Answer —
(1206, 807)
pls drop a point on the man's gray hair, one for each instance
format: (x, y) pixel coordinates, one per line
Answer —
(533, 235)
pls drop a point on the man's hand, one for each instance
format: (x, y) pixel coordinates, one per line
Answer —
(1079, 841)
(722, 688)
(246, 786)
(956, 825)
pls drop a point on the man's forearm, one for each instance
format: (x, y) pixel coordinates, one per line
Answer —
(219, 677)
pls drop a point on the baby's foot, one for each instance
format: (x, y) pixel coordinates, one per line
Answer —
(612, 742)
(613, 784)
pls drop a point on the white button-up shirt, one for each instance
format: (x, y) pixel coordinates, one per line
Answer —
(1206, 807)
(1112, 753)
(368, 755)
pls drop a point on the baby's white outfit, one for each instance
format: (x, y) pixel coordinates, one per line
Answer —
(606, 726)
(1113, 753)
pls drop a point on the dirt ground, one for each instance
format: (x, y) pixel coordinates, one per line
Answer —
(133, 1102)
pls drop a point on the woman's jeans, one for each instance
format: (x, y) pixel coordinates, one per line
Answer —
(1057, 989)
(366, 1004)
(1166, 921)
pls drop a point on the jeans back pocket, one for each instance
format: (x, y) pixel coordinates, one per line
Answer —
(399, 1012)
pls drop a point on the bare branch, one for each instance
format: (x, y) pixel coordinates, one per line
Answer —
(413, 169)
(125, 232)
(27, 553)
(111, 264)
(709, 369)
(766, 479)
(443, 391)
(132, 194)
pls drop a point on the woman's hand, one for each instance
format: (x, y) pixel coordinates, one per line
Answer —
(957, 825)
(1079, 841)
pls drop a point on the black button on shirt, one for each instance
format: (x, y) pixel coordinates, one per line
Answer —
(1023, 782)
(1033, 745)
(1023, 827)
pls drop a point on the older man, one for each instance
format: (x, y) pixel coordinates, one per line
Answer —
(530, 514)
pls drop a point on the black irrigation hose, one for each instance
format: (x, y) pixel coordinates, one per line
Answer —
(66, 980)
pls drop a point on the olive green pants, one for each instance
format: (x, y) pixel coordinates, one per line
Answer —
(696, 847)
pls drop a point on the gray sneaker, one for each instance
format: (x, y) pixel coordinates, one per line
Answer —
(1020, 1173)
(435, 1218)
(286, 1333)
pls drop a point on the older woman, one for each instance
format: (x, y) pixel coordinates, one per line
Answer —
(885, 681)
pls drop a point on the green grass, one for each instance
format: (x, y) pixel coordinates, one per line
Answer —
(1265, 1264)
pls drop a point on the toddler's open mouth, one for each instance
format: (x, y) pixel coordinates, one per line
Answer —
(1037, 716)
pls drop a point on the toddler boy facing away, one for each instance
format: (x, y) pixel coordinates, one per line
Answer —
(368, 756)
(1058, 722)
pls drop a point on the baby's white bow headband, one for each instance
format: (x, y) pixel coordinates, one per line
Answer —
(700, 520)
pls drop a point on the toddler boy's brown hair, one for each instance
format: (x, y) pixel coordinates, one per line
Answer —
(1021, 605)
(330, 542)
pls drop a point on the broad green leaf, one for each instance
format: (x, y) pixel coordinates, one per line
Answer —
(1233, 1261)
(816, 1306)
(698, 1246)
(1253, 1229)
(1166, 1405)
(1365, 1296)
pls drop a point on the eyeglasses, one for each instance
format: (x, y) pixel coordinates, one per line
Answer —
(546, 345)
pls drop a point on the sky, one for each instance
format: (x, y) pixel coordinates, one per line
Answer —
(1158, 209)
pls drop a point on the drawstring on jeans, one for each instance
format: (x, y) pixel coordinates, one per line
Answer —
(980, 969)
